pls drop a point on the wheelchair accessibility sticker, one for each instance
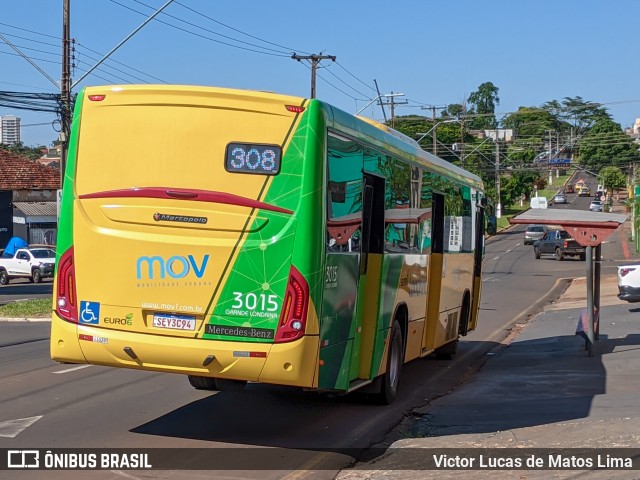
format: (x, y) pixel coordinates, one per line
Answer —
(89, 312)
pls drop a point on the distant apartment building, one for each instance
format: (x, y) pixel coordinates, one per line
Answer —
(9, 129)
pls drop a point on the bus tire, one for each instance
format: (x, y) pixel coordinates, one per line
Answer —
(202, 383)
(390, 379)
(218, 384)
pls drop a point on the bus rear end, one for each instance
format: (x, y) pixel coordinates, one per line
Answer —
(182, 211)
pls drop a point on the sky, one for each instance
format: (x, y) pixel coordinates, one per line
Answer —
(433, 52)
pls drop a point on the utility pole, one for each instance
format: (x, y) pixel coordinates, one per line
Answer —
(65, 89)
(315, 60)
(392, 103)
(433, 109)
(464, 112)
(549, 161)
(498, 205)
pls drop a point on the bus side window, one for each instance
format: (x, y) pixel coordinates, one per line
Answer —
(344, 195)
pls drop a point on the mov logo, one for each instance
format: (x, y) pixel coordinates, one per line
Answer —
(175, 267)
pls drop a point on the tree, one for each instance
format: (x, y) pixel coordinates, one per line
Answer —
(454, 110)
(577, 112)
(483, 102)
(519, 183)
(613, 179)
(606, 145)
(531, 122)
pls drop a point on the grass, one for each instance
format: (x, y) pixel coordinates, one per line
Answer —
(556, 184)
(39, 308)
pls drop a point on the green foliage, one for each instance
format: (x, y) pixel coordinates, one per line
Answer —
(577, 112)
(483, 101)
(27, 309)
(32, 153)
(612, 178)
(531, 122)
(607, 145)
(519, 183)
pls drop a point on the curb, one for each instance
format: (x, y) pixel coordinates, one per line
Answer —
(27, 320)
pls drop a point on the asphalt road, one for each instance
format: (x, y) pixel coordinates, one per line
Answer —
(98, 407)
(22, 289)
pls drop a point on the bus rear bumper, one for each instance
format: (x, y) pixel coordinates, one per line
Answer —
(293, 363)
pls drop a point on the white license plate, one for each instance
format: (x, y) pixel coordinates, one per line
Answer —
(174, 322)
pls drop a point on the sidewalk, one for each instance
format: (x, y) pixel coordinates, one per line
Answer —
(541, 390)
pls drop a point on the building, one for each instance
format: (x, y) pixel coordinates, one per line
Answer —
(28, 200)
(10, 130)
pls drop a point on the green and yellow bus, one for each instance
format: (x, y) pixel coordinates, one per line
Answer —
(239, 236)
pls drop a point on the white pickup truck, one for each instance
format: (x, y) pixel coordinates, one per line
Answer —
(34, 263)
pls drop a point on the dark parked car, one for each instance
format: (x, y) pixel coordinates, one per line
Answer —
(533, 233)
(559, 243)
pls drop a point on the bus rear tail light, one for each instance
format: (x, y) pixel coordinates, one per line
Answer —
(66, 301)
(293, 319)
(625, 271)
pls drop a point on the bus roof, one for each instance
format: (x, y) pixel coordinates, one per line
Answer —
(392, 141)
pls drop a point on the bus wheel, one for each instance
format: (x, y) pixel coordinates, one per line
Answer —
(391, 378)
(208, 383)
(202, 383)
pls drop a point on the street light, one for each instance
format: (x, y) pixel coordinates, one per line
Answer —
(432, 129)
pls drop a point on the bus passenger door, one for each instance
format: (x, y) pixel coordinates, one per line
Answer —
(478, 255)
(367, 309)
(437, 269)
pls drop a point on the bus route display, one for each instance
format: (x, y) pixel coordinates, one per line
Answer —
(252, 158)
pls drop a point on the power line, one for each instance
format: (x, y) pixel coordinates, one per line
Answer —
(30, 31)
(240, 31)
(204, 36)
(352, 75)
(345, 83)
(120, 63)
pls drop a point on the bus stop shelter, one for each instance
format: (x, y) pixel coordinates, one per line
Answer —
(589, 229)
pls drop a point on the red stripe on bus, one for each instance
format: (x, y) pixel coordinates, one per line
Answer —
(186, 194)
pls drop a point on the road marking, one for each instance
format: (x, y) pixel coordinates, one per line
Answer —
(508, 251)
(495, 258)
(12, 428)
(73, 369)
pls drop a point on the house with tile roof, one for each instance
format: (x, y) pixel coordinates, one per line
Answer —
(28, 195)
